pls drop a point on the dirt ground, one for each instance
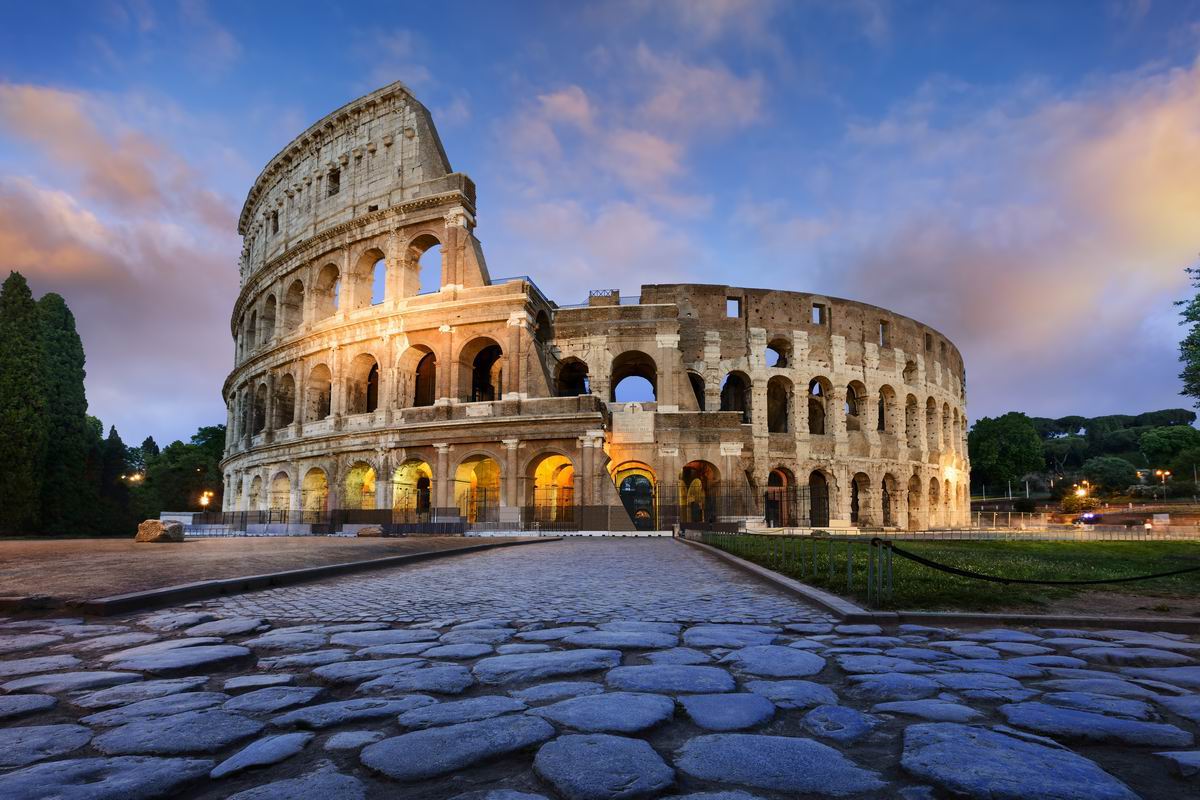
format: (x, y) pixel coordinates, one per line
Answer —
(1119, 604)
(80, 569)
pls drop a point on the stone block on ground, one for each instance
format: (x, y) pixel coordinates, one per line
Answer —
(153, 530)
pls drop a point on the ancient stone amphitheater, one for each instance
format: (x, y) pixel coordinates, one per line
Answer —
(383, 376)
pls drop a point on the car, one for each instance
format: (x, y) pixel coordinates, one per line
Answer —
(1086, 519)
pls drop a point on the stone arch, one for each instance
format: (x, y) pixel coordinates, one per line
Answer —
(779, 352)
(912, 416)
(481, 370)
(281, 492)
(948, 495)
(252, 331)
(932, 424)
(780, 500)
(550, 487)
(362, 385)
(910, 373)
(318, 393)
(947, 435)
(735, 394)
(268, 319)
(370, 262)
(285, 401)
(327, 292)
(633, 364)
(913, 501)
(571, 378)
(314, 491)
(889, 496)
(856, 394)
(819, 498)
(819, 391)
(779, 404)
(293, 306)
(255, 498)
(637, 486)
(260, 409)
(860, 500)
(419, 277)
(696, 381)
(477, 488)
(886, 422)
(412, 488)
(417, 375)
(935, 503)
(699, 487)
(359, 489)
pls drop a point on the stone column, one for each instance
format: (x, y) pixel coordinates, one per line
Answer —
(301, 375)
(511, 479)
(513, 388)
(597, 468)
(441, 477)
(586, 468)
(383, 480)
(269, 422)
(448, 368)
(668, 375)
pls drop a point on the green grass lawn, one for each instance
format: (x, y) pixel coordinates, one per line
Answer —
(917, 587)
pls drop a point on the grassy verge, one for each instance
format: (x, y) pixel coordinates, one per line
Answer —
(825, 563)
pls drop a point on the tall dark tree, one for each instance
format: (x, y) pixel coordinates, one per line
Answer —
(66, 501)
(1004, 449)
(23, 429)
(1189, 348)
(115, 514)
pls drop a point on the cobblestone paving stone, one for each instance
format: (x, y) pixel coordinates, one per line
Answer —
(455, 679)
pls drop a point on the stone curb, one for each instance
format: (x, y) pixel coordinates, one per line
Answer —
(849, 612)
(203, 590)
(843, 609)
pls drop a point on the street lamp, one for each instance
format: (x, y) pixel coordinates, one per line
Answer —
(205, 499)
(1163, 474)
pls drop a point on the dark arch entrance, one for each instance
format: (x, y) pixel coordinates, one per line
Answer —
(818, 500)
(637, 495)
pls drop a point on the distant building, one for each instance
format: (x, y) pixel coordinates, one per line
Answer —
(484, 402)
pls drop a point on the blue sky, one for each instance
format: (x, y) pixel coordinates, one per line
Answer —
(1023, 176)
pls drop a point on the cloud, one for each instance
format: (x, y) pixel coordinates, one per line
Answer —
(1045, 233)
(212, 47)
(144, 251)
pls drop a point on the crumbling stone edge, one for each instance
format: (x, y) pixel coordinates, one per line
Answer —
(848, 612)
(203, 590)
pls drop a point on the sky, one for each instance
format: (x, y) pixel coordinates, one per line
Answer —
(1024, 177)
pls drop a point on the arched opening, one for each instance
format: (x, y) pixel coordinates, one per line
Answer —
(935, 503)
(319, 394)
(412, 489)
(281, 492)
(735, 394)
(252, 331)
(482, 364)
(268, 319)
(636, 484)
(889, 495)
(886, 422)
(696, 380)
(254, 501)
(779, 405)
(293, 306)
(314, 493)
(477, 489)
(572, 379)
(240, 497)
(910, 373)
(550, 489)
(417, 377)
(699, 482)
(818, 499)
(947, 437)
(379, 281)
(260, 409)
(542, 330)
(779, 353)
(285, 401)
(362, 396)
(425, 381)
(634, 378)
(914, 503)
(948, 504)
(860, 499)
(780, 505)
(327, 292)
(932, 425)
(426, 253)
(818, 395)
(855, 395)
(911, 417)
(360, 487)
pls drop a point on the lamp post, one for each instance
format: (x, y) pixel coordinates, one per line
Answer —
(1163, 474)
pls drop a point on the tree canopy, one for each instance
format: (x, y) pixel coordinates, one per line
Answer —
(1004, 448)
(1109, 473)
(24, 427)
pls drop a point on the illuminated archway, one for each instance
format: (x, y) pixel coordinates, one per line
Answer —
(281, 492)
(360, 487)
(636, 486)
(550, 492)
(698, 492)
(412, 488)
(477, 488)
(314, 492)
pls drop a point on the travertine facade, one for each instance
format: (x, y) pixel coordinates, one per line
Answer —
(484, 399)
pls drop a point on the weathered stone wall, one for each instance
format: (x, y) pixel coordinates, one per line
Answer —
(326, 381)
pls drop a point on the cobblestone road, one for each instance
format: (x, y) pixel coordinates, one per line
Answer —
(590, 580)
(594, 670)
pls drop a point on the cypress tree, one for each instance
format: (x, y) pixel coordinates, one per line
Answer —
(116, 516)
(65, 500)
(23, 429)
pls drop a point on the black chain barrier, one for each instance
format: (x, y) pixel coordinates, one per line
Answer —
(966, 573)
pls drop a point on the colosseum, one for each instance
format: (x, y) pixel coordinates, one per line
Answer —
(382, 375)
